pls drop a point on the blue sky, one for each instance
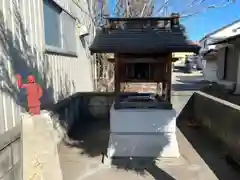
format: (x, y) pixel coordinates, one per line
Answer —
(206, 22)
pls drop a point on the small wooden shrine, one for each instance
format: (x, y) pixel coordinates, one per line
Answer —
(142, 49)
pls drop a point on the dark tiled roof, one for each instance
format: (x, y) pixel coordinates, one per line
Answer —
(144, 41)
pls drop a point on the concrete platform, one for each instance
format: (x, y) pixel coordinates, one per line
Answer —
(82, 160)
(142, 133)
(142, 120)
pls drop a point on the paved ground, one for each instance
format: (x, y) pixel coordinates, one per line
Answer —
(201, 158)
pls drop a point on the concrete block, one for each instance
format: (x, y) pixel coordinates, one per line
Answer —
(17, 170)
(143, 145)
(142, 120)
(16, 151)
(5, 160)
(40, 155)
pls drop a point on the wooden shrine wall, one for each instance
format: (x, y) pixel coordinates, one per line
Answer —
(157, 67)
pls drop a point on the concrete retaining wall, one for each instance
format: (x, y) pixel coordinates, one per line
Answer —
(222, 118)
(40, 153)
(10, 155)
(83, 108)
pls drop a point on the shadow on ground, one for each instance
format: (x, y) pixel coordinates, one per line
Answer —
(186, 87)
(93, 141)
(89, 135)
(179, 69)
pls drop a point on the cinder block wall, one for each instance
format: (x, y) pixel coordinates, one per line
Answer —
(11, 155)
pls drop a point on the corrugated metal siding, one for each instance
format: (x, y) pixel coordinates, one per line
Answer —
(8, 108)
(22, 51)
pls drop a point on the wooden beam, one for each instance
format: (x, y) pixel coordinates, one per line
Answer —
(117, 75)
(169, 76)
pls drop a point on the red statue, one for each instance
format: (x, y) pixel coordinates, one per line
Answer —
(34, 93)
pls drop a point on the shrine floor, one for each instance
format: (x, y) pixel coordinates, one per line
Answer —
(201, 157)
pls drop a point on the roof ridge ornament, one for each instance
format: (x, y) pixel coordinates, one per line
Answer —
(164, 23)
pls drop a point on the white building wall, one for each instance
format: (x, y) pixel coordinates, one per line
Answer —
(22, 50)
(210, 71)
(232, 30)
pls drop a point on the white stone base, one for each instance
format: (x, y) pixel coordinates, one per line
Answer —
(142, 120)
(143, 145)
(142, 133)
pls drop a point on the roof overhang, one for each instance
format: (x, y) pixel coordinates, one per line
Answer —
(143, 39)
(141, 43)
(160, 50)
(228, 40)
(211, 52)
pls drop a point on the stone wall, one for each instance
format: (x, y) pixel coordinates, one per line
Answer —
(221, 118)
(10, 155)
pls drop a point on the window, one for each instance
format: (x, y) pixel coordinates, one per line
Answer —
(69, 35)
(59, 26)
(52, 24)
(141, 71)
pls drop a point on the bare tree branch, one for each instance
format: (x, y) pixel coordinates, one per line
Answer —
(222, 4)
(159, 10)
(190, 8)
(134, 8)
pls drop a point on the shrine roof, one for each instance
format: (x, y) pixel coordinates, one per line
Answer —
(141, 41)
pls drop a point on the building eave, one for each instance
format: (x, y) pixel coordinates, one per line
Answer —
(225, 40)
(218, 30)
